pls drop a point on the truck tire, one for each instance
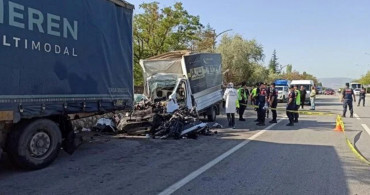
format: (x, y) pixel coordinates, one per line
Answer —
(34, 144)
(211, 114)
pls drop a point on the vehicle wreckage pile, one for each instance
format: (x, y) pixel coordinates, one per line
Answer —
(150, 119)
(183, 123)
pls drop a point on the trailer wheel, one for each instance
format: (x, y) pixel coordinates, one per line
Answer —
(34, 144)
(211, 114)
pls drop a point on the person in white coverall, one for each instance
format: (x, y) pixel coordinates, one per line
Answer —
(230, 97)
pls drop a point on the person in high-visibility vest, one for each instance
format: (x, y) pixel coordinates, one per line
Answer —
(297, 102)
(254, 99)
(243, 100)
(254, 94)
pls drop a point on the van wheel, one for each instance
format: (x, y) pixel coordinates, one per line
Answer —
(284, 100)
(211, 114)
(34, 144)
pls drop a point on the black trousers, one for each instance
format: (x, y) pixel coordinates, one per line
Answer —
(256, 107)
(273, 110)
(289, 114)
(347, 102)
(242, 107)
(302, 102)
(261, 114)
(231, 119)
(359, 101)
(296, 115)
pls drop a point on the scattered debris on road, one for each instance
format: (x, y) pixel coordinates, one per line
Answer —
(150, 119)
(183, 123)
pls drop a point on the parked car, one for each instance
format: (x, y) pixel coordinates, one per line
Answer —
(319, 90)
(329, 92)
(357, 91)
(282, 93)
(283, 89)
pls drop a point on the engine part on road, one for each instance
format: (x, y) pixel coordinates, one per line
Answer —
(183, 123)
(105, 125)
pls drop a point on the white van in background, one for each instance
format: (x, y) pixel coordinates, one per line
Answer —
(283, 89)
(283, 93)
(307, 84)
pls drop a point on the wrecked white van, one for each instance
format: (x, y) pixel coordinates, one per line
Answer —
(182, 78)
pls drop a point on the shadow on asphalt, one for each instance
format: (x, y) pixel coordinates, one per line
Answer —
(308, 124)
(123, 166)
(274, 168)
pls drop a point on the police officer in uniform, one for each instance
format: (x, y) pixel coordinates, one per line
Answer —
(262, 104)
(291, 105)
(347, 100)
(362, 97)
(268, 100)
(243, 100)
(297, 102)
(273, 95)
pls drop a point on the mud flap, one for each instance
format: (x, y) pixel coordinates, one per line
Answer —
(1, 152)
(72, 142)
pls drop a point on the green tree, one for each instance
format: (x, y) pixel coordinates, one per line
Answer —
(161, 30)
(365, 79)
(289, 68)
(274, 66)
(260, 74)
(206, 40)
(272, 77)
(242, 58)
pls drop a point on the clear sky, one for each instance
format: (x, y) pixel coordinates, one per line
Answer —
(327, 38)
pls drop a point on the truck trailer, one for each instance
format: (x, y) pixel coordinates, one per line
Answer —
(60, 61)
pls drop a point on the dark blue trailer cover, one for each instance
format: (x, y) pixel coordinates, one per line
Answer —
(65, 56)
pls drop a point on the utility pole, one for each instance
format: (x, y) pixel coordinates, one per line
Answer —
(215, 38)
(281, 68)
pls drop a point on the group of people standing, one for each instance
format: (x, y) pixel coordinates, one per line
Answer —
(264, 97)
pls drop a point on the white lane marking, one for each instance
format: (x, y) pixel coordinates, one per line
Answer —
(327, 103)
(357, 117)
(212, 163)
(366, 128)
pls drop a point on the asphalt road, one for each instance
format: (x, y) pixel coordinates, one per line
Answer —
(309, 158)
